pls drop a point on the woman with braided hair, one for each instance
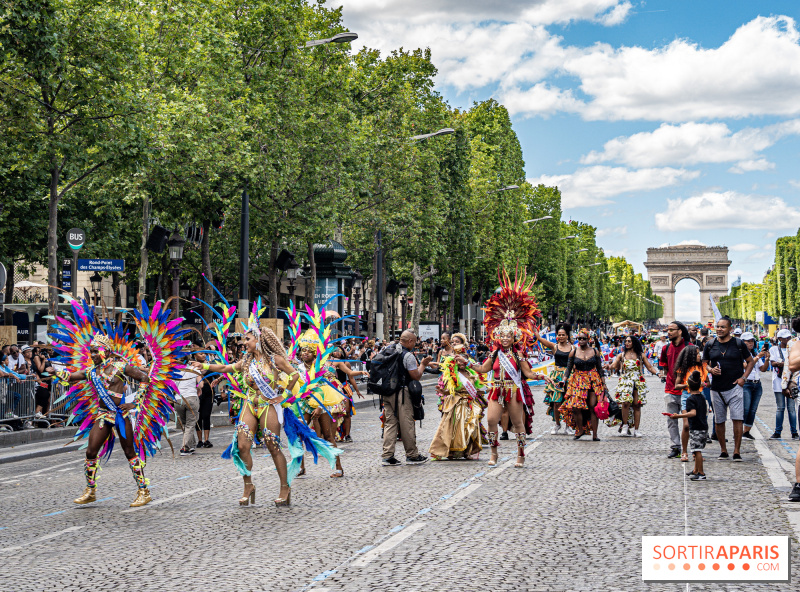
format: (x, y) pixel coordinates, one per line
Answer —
(585, 385)
(510, 321)
(262, 415)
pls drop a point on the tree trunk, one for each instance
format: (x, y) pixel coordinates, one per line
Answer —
(468, 302)
(312, 284)
(451, 315)
(52, 234)
(387, 328)
(417, 308)
(206, 290)
(143, 254)
(433, 303)
(274, 287)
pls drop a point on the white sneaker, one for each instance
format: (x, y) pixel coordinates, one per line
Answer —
(569, 431)
(556, 429)
(625, 430)
(637, 434)
(39, 416)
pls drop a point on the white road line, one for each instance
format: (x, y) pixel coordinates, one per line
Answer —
(387, 545)
(15, 477)
(166, 499)
(458, 496)
(46, 537)
(794, 520)
(770, 461)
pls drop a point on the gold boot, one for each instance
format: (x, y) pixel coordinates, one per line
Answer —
(89, 496)
(142, 498)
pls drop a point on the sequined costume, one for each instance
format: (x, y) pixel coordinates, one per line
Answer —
(459, 434)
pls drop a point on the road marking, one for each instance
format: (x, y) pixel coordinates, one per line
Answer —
(182, 478)
(166, 499)
(54, 513)
(770, 461)
(15, 477)
(387, 545)
(46, 537)
(458, 496)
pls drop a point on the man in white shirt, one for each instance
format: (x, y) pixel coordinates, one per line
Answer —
(779, 354)
(187, 409)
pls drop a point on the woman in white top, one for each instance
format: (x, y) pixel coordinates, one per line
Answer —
(752, 383)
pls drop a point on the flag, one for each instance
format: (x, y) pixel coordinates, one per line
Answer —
(717, 314)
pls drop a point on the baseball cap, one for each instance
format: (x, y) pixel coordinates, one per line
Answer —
(747, 336)
(25, 348)
(737, 331)
(782, 334)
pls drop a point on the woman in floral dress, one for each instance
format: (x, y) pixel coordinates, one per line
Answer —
(631, 391)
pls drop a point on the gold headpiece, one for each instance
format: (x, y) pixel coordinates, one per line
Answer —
(309, 341)
(100, 340)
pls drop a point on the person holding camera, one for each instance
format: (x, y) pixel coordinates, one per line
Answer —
(752, 383)
(783, 401)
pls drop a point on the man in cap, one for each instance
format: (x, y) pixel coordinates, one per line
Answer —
(779, 354)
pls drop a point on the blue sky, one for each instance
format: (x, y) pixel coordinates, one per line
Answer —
(661, 122)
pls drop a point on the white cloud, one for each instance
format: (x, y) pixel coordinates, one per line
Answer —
(617, 231)
(593, 186)
(755, 72)
(727, 210)
(742, 247)
(541, 99)
(757, 256)
(746, 166)
(794, 183)
(770, 234)
(693, 143)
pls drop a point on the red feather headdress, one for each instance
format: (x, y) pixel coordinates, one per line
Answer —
(512, 310)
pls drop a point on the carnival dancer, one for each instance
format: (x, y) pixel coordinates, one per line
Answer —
(554, 393)
(463, 405)
(631, 390)
(510, 319)
(328, 408)
(585, 385)
(262, 414)
(98, 359)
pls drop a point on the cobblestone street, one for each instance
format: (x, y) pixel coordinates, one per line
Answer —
(571, 519)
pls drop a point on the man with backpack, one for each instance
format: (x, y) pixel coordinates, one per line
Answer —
(395, 376)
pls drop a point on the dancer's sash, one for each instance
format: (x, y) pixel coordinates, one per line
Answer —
(105, 397)
(261, 382)
(468, 385)
(511, 372)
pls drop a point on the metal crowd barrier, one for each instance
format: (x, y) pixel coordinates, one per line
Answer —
(18, 406)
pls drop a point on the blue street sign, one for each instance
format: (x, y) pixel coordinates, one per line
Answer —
(101, 265)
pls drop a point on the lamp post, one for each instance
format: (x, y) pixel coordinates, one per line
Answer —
(357, 278)
(244, 242)
(403, 290)
(175, 248)
(96, 281)
(535, 220)
(445, 300)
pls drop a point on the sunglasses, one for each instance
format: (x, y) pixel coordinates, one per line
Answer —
(583, 338)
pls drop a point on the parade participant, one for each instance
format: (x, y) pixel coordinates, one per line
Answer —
(554, 393)
(254, 379)
(631, 390)
(584, 386)
(445, 350)
(463, 405)
(98, 360)
(510, 319)
(328, 408)
(346, 376)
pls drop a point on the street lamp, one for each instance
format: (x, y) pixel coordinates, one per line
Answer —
(581, 251)
(441, 132)
(175, 248)
(606, 272)
(291, 274)
(538, 219)
(445, 300)
(96, 281)
(345, 37)
(591, 264)
(402, 288)
(357, 277)
(567, 237)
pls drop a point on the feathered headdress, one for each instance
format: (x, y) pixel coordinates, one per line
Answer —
(512, 310)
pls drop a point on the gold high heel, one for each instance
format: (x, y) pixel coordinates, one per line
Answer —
(142, 498)
(284, 501)
(249, 498)
(89, 496)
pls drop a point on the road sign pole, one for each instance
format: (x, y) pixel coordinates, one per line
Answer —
(74, 278)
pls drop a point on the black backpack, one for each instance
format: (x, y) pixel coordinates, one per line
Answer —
(387, 373)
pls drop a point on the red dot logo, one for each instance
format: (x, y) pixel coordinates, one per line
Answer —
(686, 566)
(701, 566)
(745, 566)
(715, 566)
(731, 567)
(671, 566)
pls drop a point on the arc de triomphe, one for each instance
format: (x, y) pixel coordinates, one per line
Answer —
(708, 266)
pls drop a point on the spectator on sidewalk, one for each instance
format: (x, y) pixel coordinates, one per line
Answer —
(206, 390)
(398, 409)
(187, 408)
(793, 363)
(678, 338)
(726, 357)
(44, 370)
(658, 348)
(752, 383)
(696, 412)
(779, 354)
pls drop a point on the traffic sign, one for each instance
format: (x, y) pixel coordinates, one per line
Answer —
(101, 264)
(76, 237)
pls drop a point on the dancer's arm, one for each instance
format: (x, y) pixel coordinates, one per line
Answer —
(221, 368)
(480, 368)
(528, 372)
(543, 341)
(285, 367)
(649, 366)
